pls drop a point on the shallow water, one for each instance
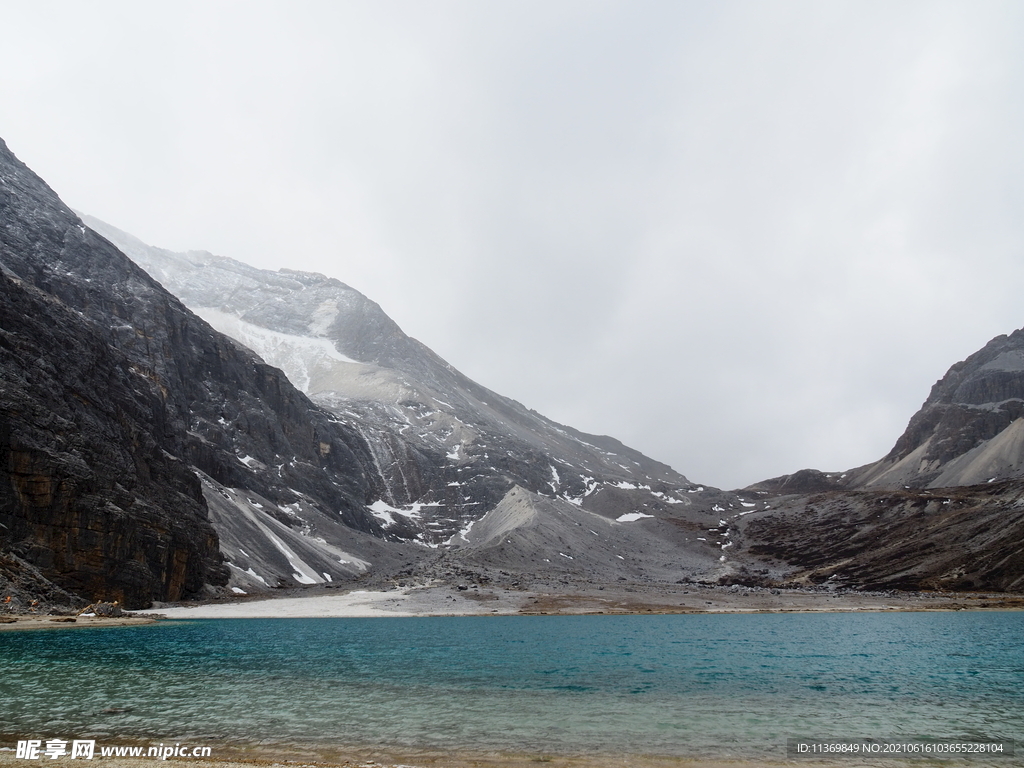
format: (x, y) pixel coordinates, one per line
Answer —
(692, 685)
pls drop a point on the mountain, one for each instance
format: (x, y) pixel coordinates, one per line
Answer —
(970, 429)
(944, 509)
(276, 429)
(122, 413)
(348, 355)
(147, 456)
(455, 456)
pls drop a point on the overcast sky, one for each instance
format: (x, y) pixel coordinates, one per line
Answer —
(742, 237)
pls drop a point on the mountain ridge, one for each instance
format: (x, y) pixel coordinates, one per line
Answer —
(969, 430)
(283, 490)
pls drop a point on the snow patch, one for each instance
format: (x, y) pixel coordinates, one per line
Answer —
(384, 511)
(555, 479)
(463, 534)
(249, 572)
(630, 517)
(298, 356)
(323, 317)
(666, 498)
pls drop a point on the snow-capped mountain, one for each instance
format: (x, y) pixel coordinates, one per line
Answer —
(147, 456)
(448, 448)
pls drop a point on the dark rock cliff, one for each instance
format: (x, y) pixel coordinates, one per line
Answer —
(112, 392)
(90, 496)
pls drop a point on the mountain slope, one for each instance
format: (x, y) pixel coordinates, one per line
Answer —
(473, 445)
(970, 429)
(179, 395)
(137, 441)
(944, 509)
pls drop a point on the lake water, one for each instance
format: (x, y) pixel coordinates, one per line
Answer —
(690, 685)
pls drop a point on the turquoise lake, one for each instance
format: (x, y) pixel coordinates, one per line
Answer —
(689, 685)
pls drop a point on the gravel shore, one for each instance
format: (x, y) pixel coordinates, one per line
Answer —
(445, 600)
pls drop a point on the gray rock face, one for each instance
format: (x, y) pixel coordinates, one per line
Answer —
(114, 394)
(970, 429)
(449, 450)
(943, 510)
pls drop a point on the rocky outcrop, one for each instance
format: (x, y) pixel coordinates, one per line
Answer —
(89, 496)
(802, 481)
(970, 429)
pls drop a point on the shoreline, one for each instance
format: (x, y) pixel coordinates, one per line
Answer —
(25, 622)
(443, 600)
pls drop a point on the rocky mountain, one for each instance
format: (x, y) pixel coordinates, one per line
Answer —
(147, 456)
(122, 413)
(970, 429)
(274, 429)
(455, 456)
(944, 509)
